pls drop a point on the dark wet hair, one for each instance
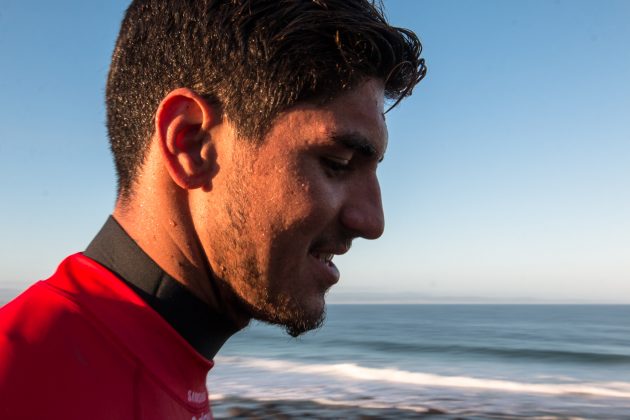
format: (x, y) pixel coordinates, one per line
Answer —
(251, 59)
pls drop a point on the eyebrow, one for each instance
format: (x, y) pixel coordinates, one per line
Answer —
(358, 142)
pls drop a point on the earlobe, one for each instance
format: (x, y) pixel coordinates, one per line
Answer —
(182, 128)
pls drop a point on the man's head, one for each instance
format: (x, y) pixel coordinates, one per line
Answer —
(251, 59)
(266, 118)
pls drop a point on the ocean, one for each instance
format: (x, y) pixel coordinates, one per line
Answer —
(432, 361)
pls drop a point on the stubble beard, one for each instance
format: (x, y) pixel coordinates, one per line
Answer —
(244, 274)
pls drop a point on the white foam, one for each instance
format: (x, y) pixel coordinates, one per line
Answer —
(369, 405)
(397, 376)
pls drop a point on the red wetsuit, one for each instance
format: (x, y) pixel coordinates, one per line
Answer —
(82, 345)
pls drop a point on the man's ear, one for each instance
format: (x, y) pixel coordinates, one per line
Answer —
(182, 127)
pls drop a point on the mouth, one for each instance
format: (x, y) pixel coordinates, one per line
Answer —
(323, 258)
(326, 270)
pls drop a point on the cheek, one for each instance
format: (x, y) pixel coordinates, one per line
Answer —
(296, 196)
(305, 199)
(282, 195)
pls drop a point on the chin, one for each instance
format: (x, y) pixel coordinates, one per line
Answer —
(310, 315)
(297, 327)
(296, 316)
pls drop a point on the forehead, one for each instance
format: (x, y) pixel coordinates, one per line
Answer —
(362, 104)
(357, 113)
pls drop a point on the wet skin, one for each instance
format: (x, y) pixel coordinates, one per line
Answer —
(281, 208)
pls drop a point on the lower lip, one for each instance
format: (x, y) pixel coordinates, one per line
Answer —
(329, 271)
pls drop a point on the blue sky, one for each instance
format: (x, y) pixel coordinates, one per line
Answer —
(506, 178)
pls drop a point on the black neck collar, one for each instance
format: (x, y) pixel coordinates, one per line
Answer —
(206, 328)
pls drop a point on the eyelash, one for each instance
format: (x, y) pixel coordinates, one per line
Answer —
(335, 165)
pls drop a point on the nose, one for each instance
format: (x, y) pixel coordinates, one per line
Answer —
(362, 213)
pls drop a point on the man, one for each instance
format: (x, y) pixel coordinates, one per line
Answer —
(246, 136)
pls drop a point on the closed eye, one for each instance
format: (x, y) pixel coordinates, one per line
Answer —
(336, 164)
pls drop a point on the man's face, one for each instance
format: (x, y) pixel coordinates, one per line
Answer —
(278, 211)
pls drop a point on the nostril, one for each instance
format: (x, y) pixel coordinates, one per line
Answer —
(365, 223)
(378, 226)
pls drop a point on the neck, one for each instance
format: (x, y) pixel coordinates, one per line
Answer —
(163, 229)
(205, 327)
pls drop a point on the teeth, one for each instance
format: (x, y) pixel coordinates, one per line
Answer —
(324, 257)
